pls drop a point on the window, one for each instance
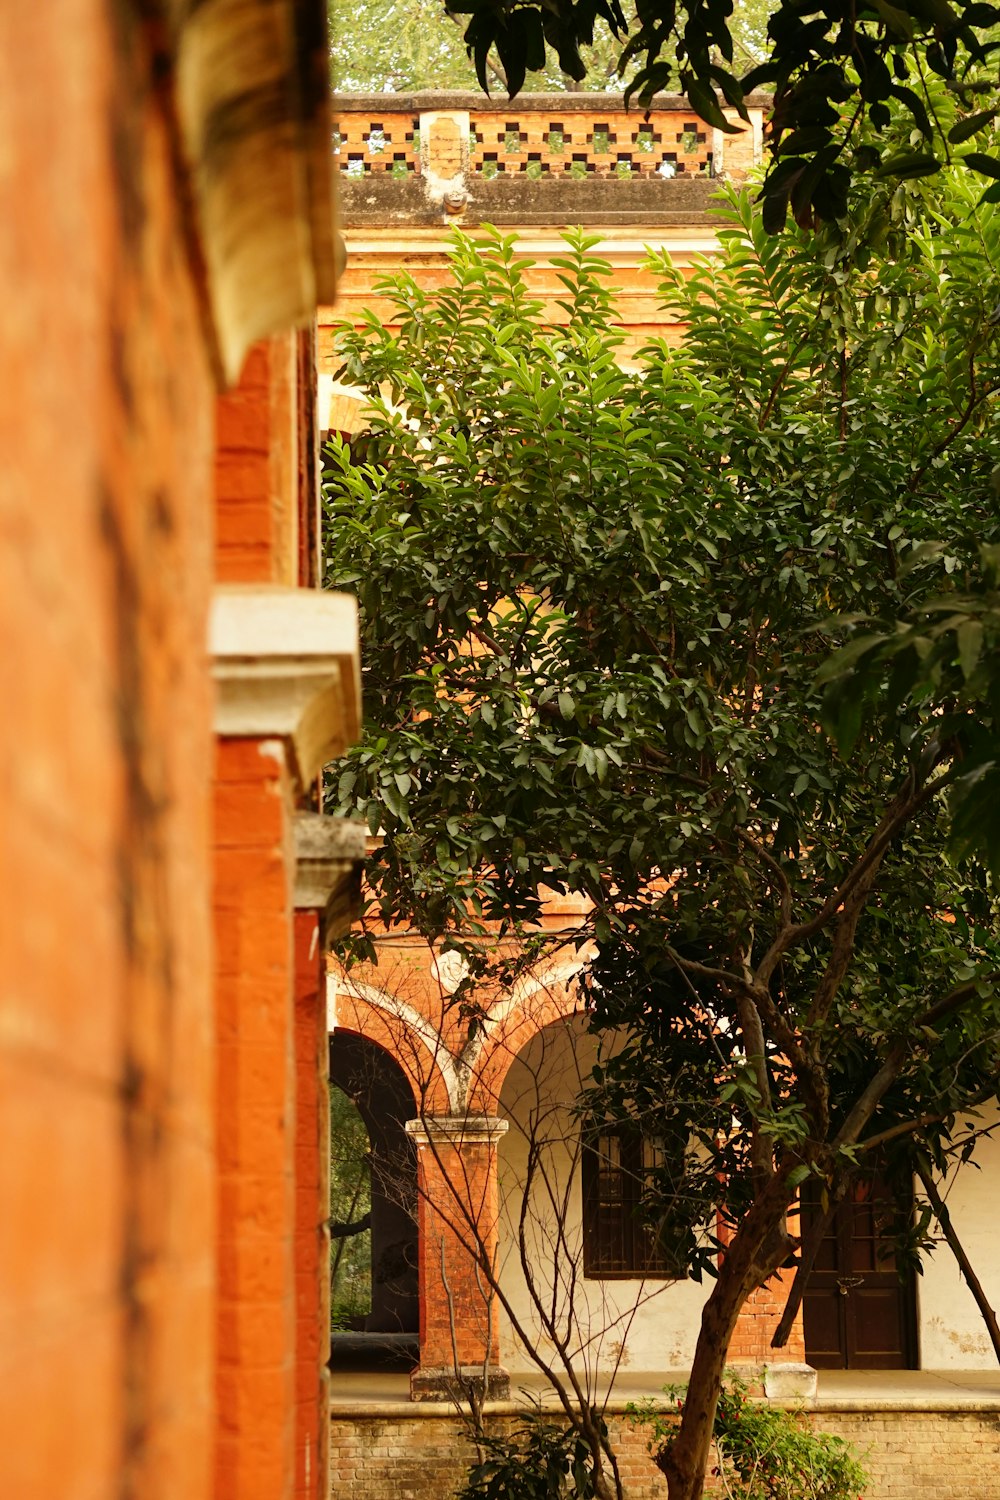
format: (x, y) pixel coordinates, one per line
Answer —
(618, 1240)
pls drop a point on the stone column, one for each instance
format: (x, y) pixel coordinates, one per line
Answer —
(457, 1217)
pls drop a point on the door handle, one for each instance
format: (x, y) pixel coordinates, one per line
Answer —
(845, 1283)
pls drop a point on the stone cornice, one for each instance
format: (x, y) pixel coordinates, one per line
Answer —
(285, 663)
(328, 856)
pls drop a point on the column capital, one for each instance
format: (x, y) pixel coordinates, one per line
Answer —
(329, 853)
(285, 663)
(457, 1130)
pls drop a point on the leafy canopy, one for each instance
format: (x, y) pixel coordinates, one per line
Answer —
(596, 605)
(400, 45)
(833, 67)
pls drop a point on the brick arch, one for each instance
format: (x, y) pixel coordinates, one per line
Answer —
(408, 1037)
(510, 1025)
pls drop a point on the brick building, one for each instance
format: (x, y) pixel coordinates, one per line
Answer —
(411, 168)
(475, 1109)
(166, 227)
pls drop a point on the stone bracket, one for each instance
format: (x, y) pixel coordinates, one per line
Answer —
(286, 665)
(329, 853)
(457, 1130)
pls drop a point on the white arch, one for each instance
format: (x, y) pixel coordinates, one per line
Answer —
(561, 972)
(452, 1070)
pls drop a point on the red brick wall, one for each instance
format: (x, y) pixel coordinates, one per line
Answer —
(256, 1123)
(457, 1190)
(105, 1015)
(272, 1121)
(257, 471)
(759, 1316)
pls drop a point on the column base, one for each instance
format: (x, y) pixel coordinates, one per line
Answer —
(790, 1381)
(785, 1380)
(448, 1384)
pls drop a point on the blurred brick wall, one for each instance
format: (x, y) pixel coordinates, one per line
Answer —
(106, 1274)
(257, 468)
(256, 1104)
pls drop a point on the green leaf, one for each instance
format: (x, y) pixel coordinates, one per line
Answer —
(907, 164)
(970, 126)
(970, 641)
(989, 166)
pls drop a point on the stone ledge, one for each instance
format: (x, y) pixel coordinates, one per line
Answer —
(375, 199)
(430, 1386)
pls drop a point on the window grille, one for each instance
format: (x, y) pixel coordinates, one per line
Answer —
(619, 1163)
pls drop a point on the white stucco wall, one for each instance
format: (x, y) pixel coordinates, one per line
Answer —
(652, 1326)
(644, 1326)
(951, 1333)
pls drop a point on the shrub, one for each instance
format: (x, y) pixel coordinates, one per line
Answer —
(536, 1462)
(765, 1452)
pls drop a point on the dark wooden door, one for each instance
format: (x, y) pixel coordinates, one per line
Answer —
(859, 1314)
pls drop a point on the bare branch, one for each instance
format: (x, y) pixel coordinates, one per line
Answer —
(784, 889)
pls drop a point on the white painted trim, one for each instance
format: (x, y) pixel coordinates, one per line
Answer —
(453, 1071)
(286, 663)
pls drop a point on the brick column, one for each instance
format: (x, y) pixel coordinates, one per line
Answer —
(286, 669)
(312, 1209)
(256, 1121)
(457, 1220)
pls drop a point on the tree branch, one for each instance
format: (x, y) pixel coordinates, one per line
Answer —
(808, 1250)
(340, 1231)
(975, 1286)
(896, 817)
(784, 889)
(871, 1097)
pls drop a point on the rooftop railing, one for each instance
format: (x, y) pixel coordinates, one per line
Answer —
(453, 144)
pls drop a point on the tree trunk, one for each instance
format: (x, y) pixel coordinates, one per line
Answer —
(755, 1251)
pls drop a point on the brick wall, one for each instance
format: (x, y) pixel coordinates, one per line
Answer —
(923, 1455)
(256, 1122)
(257, 468)
(427, 1457)
(105, 1008)
(912, 1454)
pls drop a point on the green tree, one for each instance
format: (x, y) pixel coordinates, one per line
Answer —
(350, 1212)
(597, 603)
(405, 45)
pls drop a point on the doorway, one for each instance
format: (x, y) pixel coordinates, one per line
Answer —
(384, 1333)
(859, 1310)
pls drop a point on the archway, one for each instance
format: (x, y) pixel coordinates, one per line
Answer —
(377, 1086)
